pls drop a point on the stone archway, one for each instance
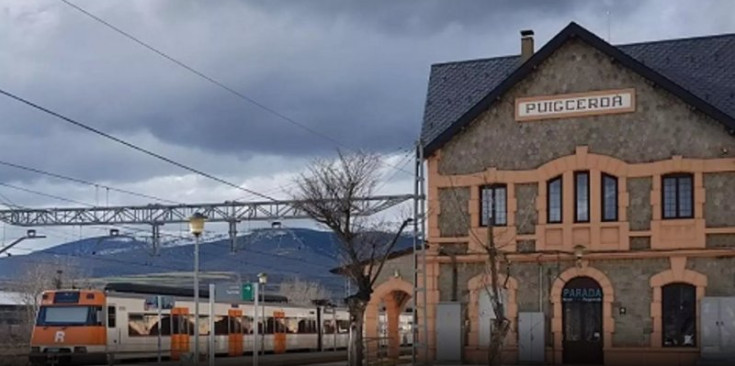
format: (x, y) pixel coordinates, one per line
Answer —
(394, 293)
(677, 273)
(608, 323)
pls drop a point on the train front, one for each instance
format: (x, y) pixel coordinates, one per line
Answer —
(70, 328)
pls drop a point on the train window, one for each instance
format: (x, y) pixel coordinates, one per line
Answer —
(270, 324)
(142, 325)
(307, 326)
(292, 325)
(220, 325)
(247, 325)
(111, 317)
(328, 327)
(343, 326)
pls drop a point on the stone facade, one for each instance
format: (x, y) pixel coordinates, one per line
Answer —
(639, 209)
(720, 207)
(632, 257)
(454, 217)
(526, 216)
(661, 127)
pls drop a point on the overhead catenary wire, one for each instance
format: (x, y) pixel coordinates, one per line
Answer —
(210, 79)
(82, 181)
(130, 145)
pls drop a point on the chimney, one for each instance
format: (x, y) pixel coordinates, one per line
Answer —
(526, 45)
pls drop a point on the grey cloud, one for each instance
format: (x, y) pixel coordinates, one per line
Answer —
(353, 70)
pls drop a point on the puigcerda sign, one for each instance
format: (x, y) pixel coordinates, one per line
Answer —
(575, 105)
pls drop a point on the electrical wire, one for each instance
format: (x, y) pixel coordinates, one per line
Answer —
(82, 181)
(206, 77)
(129, 144)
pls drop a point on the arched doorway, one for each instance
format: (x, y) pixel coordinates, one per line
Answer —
(383, 317)
(582, 300)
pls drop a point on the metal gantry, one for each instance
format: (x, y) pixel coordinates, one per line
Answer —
(157, 215)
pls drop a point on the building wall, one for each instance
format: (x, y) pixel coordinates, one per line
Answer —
(661, 127)
(636, 253)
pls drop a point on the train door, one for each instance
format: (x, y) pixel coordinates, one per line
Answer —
(234, 331)
(113, 331)
(179, 332)
(279, 332)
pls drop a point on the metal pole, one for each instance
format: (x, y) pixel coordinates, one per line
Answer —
(211, 324)
(255, 324)
(160, 323)
(196, 300)
(265, 325)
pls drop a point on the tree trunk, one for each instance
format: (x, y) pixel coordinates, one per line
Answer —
(357, 345)
(501, 326)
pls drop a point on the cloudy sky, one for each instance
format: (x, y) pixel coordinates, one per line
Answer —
(347, 74)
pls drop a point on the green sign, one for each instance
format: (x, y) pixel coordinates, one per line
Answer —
(247, 292)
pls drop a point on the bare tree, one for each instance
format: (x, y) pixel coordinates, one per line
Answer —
(301, 292)
(328, 192)
(42, 276)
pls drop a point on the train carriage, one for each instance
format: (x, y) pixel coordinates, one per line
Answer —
(129, 322)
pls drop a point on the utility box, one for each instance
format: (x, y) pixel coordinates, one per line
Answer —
(449, 333)
(531, 337)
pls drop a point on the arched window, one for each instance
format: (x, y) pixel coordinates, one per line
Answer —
(554, 200)
(679, 315)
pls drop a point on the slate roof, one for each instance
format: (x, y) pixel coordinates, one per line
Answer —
(701, 70)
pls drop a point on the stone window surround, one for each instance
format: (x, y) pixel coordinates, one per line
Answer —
(661, 231)
(677, 274)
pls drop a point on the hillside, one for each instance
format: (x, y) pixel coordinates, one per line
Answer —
(281, 253)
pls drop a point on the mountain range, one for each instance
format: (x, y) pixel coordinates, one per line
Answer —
(281, 253)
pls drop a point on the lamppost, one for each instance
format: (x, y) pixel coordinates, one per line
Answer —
(30, 234)
(196, 227)
(262, 280)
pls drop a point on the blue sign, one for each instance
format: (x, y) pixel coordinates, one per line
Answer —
(582, 294)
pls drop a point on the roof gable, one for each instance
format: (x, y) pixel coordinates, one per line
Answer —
(701, 71)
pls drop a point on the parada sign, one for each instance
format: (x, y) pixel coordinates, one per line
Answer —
(575, 105)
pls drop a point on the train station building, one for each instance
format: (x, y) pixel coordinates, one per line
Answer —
(607, 174)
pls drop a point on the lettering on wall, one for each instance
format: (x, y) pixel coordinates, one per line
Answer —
(581, 294)
(575, 105)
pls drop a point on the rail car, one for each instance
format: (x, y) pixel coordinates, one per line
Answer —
(128, 322)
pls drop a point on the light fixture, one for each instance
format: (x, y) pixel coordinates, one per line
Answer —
(579, 253)
(114, 232)
(196, 224)
(396, 273)
(31, 233)
(262, 278)
(276, 225)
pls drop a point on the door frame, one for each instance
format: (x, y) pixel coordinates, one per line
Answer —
(608, 293)
(584, 307)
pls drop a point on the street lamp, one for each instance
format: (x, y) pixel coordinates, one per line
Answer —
(262, 280)
(30, 234)
(196, 227)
